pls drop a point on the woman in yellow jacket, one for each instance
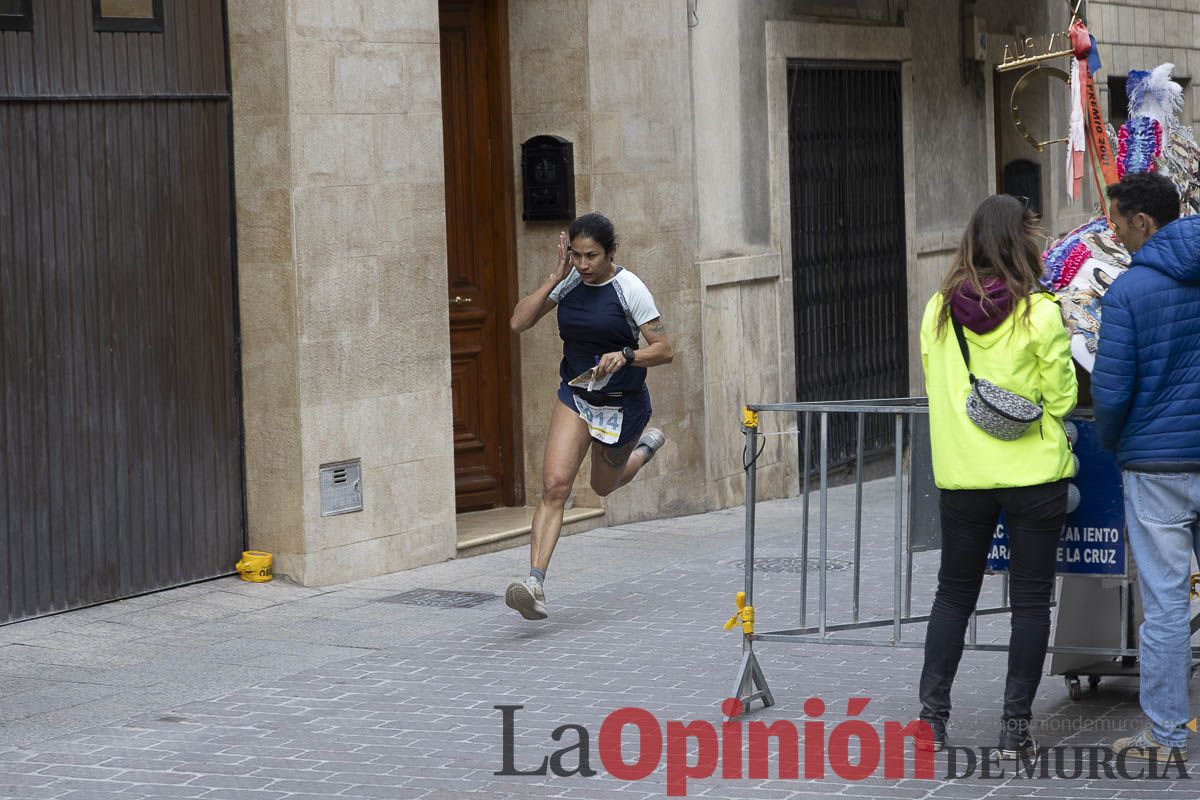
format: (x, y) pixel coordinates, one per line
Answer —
(1015, 339)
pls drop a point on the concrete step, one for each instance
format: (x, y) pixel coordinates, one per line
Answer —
(496, 529)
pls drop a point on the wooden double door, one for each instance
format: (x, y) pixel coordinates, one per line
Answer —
(481, 253)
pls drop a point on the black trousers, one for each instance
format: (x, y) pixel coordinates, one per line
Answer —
(1034, 520)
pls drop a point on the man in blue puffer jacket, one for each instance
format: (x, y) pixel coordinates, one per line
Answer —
(1146, 393)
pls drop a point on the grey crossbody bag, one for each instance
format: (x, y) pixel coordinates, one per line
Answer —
(995, 411)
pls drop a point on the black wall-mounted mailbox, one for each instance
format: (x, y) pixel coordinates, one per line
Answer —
(548, 172)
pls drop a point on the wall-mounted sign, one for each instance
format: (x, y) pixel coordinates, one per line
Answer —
(1029, 51)
(548, 173)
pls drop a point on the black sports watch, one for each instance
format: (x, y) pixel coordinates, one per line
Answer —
(629, 353)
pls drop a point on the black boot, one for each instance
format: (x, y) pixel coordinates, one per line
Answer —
(935, 707)
(938, 741)
(1019, 691)
(1016, 740)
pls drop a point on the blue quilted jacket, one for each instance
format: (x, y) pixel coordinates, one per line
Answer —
(1146, 383)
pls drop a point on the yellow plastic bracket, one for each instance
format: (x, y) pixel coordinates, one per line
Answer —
(1195, 592)
(749, 418)
(745, 613)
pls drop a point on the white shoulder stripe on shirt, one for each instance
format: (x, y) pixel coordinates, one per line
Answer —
(565, 286)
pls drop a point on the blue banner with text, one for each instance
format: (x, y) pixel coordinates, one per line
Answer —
(1093, 540)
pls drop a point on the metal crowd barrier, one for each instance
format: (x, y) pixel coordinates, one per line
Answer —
(751, 683)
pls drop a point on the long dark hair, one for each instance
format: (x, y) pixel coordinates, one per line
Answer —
(1000, 243)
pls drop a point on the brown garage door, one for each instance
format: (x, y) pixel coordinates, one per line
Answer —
(120, 431)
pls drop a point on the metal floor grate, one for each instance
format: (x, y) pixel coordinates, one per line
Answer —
(793, 564)
(440, 598)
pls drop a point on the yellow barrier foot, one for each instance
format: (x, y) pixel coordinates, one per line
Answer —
(751, 684)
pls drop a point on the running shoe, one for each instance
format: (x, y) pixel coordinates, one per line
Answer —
(652, 439)
(527, 597)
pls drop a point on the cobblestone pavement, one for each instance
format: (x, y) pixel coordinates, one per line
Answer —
(636, 621)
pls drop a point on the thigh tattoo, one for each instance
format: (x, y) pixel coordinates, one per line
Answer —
(617, 456)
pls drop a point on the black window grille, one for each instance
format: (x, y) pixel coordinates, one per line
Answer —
(849, 262)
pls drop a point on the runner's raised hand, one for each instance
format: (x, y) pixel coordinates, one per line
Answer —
(563, 266)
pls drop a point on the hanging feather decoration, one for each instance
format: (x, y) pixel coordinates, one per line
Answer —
(1180, 161)
(1153, 94)
(1071, 264)
(1112, 136)
(1134, 90)
(1067, 255)
(1138, 146)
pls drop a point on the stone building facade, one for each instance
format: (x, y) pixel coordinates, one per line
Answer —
(677, 111)
(1145, 34)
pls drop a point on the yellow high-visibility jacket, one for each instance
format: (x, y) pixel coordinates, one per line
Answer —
(1035, 362)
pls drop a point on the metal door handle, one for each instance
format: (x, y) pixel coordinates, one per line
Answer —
(460, 301)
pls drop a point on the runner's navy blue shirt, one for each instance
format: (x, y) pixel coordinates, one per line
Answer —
(602, 318)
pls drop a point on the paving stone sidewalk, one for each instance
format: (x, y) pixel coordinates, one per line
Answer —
(275, 692)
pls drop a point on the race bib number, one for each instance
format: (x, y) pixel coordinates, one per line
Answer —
(604, 422)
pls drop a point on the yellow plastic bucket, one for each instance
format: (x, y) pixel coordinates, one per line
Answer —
(255, 566)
